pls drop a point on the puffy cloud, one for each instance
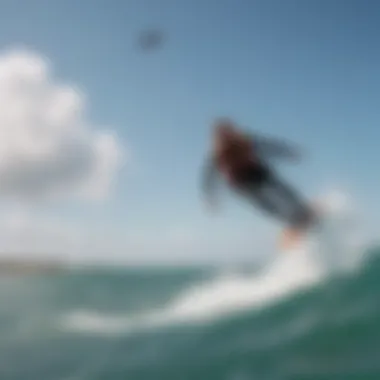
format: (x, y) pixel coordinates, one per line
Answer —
(48, 149)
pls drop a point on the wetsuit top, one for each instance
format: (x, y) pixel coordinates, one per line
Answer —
(235, 158)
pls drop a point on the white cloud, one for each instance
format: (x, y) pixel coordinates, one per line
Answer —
(48, 149)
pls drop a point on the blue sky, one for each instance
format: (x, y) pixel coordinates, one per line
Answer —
(307, 71)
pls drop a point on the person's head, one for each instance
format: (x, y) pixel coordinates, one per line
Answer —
(223, 129)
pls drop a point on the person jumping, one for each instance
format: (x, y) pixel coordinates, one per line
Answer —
(242, 159)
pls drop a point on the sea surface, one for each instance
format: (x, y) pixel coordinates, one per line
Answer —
(291, 320)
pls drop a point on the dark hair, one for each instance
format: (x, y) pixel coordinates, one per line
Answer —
(223, 124)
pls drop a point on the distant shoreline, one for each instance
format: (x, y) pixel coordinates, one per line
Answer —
(30, 266)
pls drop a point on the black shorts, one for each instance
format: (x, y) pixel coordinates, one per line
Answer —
(253, 175)
(262, 187)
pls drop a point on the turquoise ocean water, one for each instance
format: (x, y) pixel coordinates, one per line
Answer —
(289, 321)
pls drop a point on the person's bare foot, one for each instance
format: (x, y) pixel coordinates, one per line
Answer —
(290, 237)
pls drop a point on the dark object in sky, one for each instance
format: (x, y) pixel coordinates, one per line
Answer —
(150, 39)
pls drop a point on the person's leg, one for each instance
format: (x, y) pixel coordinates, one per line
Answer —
(267, 201)
(297, 211)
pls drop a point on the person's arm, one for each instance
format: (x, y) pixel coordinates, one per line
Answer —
(275, 148)
(208, 185)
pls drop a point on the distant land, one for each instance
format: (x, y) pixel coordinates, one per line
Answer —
(26, 266)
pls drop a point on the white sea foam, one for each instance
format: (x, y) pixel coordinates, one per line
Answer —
(290, 273)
